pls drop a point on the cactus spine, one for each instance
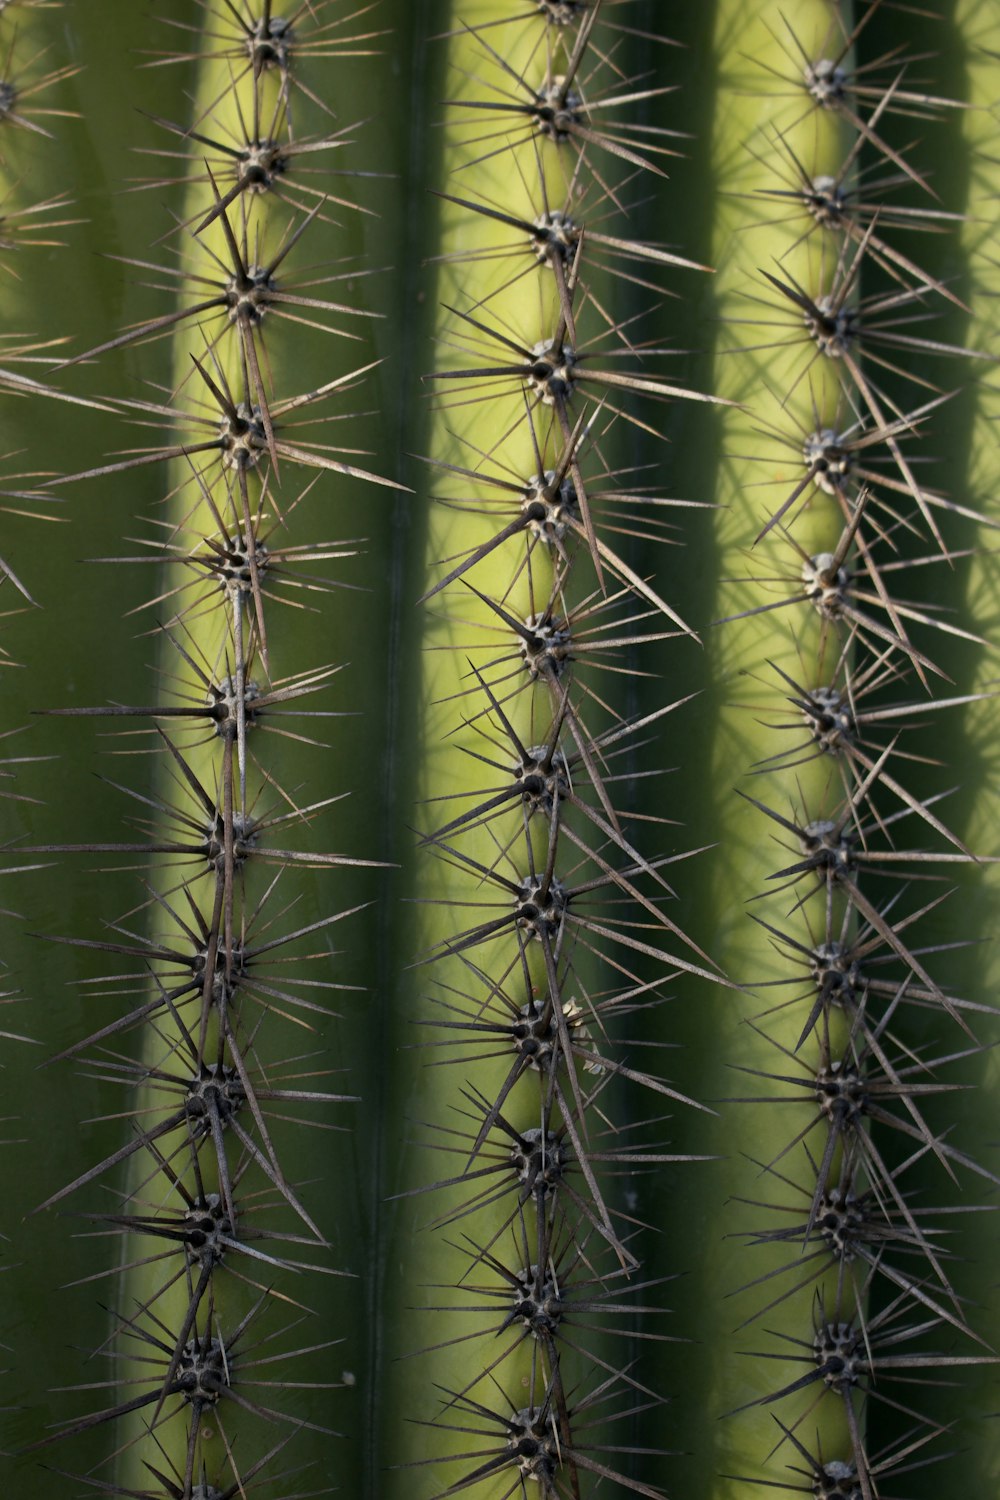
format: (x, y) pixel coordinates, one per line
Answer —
(511, 1057)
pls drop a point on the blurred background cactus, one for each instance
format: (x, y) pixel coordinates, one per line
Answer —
(499, 780)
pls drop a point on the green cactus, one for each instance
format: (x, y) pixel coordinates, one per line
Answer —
(535, 1040)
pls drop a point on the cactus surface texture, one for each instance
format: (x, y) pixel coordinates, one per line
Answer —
(498, 533)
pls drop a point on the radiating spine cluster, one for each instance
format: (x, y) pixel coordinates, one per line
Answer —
(423, 1239)
(546, 918)
(849, 689)
(214, 1040)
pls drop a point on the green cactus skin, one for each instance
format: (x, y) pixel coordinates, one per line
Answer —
(63, 290)
(511, 298)
(395, 1336)
(743, 656)
(737, 1446)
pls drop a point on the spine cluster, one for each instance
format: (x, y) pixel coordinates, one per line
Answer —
(217, 988)
(853, 1274)
(638, 1151)
(547, 925)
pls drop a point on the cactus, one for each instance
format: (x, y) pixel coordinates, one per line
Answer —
(502, 820)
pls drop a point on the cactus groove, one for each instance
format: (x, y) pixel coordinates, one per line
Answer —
(498, 503)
